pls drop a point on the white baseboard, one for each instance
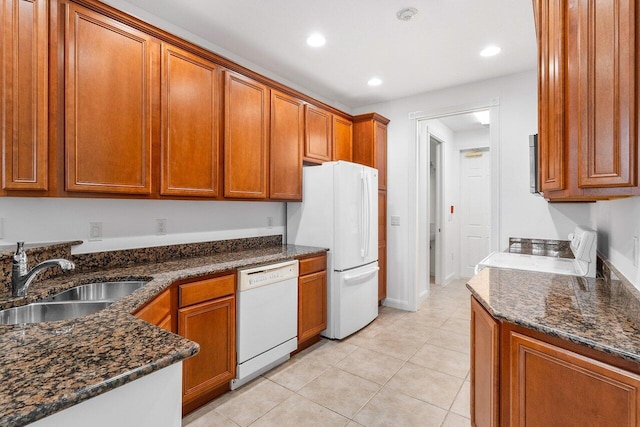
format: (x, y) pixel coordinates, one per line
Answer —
(394, 303)
(423, 296)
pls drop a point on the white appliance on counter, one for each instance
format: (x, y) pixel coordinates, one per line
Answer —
(583, 245)
(267, 319)
(340, 212)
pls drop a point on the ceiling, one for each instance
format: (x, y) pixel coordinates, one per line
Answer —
(463, 122)
(438, 48)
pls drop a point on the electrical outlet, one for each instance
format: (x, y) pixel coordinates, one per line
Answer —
(636, 251)
(269, 222)
(395, 220)
(161, 226)
(95, 231)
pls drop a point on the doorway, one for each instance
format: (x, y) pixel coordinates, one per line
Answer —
(438, 250)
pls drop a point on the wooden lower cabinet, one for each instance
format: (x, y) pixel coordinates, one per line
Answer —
(159, 311)
(521, 377)
(207, 315)
(312, 300)
(212, 325)
(485, 367)
(553, 386)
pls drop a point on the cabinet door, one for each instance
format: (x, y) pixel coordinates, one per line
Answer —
(485, 365)
(380, 147)
(23, 94)
(554, 386)
(212, 326)
(246, 118)
(606, 35)
(190, 120)
(111, 75)
(312, 305)
(550, 20)
(342, 139)
(286, 146)
(317, 146)
(382, 273)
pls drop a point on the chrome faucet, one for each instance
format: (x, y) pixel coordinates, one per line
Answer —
(21, 278)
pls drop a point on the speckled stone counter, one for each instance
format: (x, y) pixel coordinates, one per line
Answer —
(48, 367)
(597, 313)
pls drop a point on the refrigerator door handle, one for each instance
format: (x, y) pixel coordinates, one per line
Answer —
(363, 207)
(368, 223)
(361, 275)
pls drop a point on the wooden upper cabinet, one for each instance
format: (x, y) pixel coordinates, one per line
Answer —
(370, 144)
(111, 75)
(605, 37)
(588, 75)
(286, 147)
(190, 124)
(23, 93)
(246, 137)
(342, 139)
(318, 136)
(550, 28)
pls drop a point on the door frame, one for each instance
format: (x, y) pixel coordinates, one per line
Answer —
(415, 228)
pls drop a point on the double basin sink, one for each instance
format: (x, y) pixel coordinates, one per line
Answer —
(72, 303)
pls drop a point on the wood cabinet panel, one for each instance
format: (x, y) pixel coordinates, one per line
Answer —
(286, 147)
(551, 97)
(206, 289)
(212, 326)
(382, 217)
(246, 133)
(24, 94)
(382, 273)
(380, 138)
(607, 81)
(342, 139)
(190, 124)
(317, 146)
(158, 310)
(111, 75)
(312, 265)
(554, 386)
(485, 367)
(312, 305)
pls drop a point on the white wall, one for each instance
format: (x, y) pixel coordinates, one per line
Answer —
(132, 223)
(470, 139)
(521, 214)
(617, 221)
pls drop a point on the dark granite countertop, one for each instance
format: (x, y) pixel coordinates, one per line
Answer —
(597, 313)
(48, 367)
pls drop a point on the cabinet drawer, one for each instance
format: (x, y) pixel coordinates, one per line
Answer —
(156, 311)
(204, 290)
(312, 265)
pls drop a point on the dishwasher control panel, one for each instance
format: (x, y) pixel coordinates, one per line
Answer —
(250, 278)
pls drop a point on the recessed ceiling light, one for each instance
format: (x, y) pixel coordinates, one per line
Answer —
(374, 82)
(490, 51)
(316, 40)
(483, 117)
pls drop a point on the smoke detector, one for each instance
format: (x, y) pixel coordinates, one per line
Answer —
(407, 13)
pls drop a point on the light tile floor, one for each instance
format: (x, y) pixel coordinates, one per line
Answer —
(404, 369)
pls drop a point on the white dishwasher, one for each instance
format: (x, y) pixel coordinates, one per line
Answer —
(267, 319)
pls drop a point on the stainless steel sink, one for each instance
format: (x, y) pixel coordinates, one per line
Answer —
(103, 291)
(50, 311)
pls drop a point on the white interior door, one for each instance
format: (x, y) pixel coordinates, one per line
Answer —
(475, 197)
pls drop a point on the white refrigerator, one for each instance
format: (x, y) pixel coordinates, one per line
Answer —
(340, 212)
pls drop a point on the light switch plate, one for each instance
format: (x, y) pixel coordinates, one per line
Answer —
(161, 226)
(395, 220)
